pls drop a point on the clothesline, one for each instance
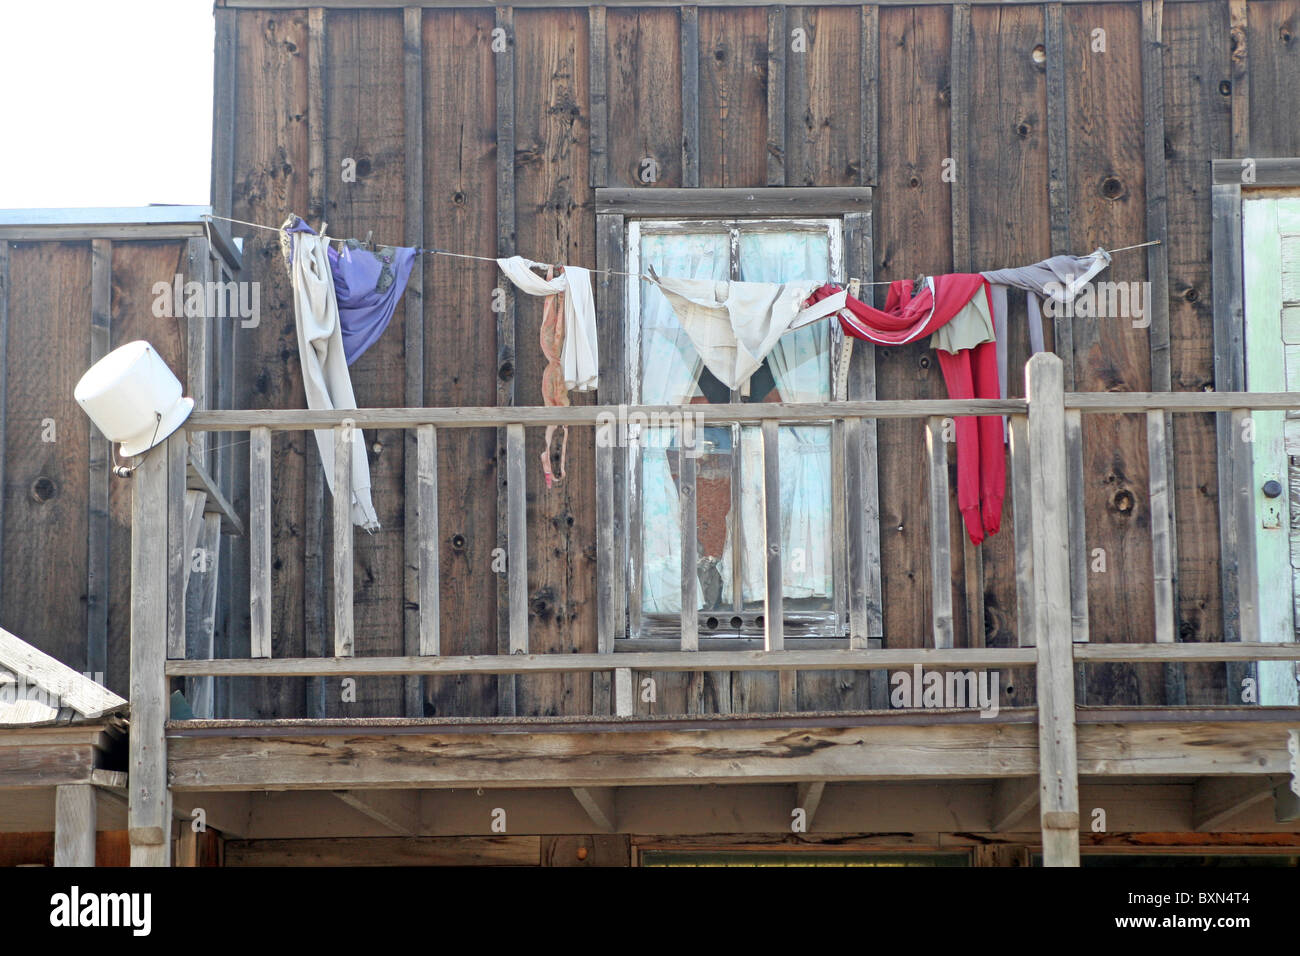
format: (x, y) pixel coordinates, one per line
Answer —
(632, 275)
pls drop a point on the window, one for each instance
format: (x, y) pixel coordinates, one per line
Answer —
(665, 369)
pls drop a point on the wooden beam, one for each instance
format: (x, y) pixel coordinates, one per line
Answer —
(1057, 749)
(504, 65)
(690, 50)
(224, 113)
(74, 825)
(149, 813)
(399, 810)
(100, 453)
(764, 660)
(1216, 800)
(1266, 170)
(416, 622)
(773, 599)
(777, 44)
(344, 440)
(427, 594)
(87, 697)
(260, 592)
(936, 450)
(599, 804)
(734, 201)
(1013, 798)
(178, 558)
(535, 4)
(216, 502)
(721, 750)
(425, 851)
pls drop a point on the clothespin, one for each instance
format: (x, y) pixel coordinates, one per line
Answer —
(368, 244)
(846, 351)
(855, 288)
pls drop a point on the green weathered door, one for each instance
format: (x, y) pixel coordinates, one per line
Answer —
(1271, 271)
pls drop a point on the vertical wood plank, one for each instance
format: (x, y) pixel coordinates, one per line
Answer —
(148, 801)
(1242, 496)
(686, 511)
(869, 78)
(415, 620)
(317, 192)
(504, 63)
(97, 593)
(198, 333)
(773, 606)
(1058, 197)
(777, 43)
(690, 44)
(74, 825)
(599, 85)
(936, 450)
(344, 440)
(4, 386)
(1240, 77)
(1021, 494)
(259, 541)
(427, 537)
(517, 538)
(223, 111)
(1058, 756)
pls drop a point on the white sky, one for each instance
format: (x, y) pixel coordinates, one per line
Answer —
(105, 102)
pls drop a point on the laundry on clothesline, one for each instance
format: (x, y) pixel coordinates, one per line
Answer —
(734, 325)
(325, 377)
(579, 357)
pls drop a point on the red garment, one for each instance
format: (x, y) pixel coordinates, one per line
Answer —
(970, 373)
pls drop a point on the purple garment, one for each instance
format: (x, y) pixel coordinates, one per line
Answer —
(367, 286)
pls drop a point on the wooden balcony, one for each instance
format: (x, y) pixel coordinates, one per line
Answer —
(1223, 757)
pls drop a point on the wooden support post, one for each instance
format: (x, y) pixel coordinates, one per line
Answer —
(74, 825)
(344, 438)
(624, 692)
(427, 535)
(415, 619)
(517, 538)
(259, 541)
(504, 64)
(149, 801)
(689, 537)
(177, 558)
(201, 612)
(773, 600)
(690, 50)
(936, 450)
(1057, 752)
(101, 318)
(1021, 493)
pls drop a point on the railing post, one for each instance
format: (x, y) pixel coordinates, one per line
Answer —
(149, 800)
(940, 533)
(343, 631)
(1058, 771)
(427, 492)
(517, 538)
(690, 637)
(259, 541)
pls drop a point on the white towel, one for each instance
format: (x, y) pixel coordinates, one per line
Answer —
(325, 375)
(580, 356)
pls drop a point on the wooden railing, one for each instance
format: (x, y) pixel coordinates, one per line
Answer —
(1045, 457)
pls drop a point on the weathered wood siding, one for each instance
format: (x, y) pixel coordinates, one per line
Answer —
(65, 583)
(868, 95)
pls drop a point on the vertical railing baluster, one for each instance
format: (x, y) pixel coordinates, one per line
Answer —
(259, 541)
(517, 538)
(686, 510)
(773, 608)
(1021, 490)
(940, 532)
(343, 451)
(427, 494)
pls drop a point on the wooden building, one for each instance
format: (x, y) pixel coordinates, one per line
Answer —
(504, 672)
